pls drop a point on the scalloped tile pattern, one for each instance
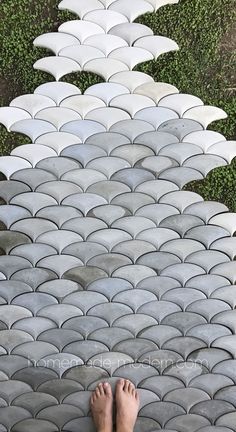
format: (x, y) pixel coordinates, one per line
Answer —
(108, 268)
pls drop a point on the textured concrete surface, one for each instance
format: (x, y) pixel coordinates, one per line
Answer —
(108, 268)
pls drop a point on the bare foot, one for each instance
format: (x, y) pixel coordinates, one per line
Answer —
(101, 407)
(127, 406)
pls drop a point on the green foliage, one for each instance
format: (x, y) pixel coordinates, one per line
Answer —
(204, 66)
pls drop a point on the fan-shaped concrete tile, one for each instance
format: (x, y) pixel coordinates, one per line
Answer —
(108, 165)
(207, 234)
(84, 202)
(180, 102)
(131, 56)
(156, 140)
(155, 115)
(132, 176)
(105, 67)
(180, 127)
(59, 288)
(34, 376)
(109, 237)
(158, 261)
(85, 299)
(159, 334)
(187, 398)
(83, 128)
(205, 163)
(131, 128)
(32, 103)
(84, 226)
(133, 225)
(34, 325)
(32, 177)
(84, 178)
(33, 227)
(80, 8)
(59, 388)
(11, 214)
(227, 420)
(58, 116)
(60, 313)
(206, 209)
(110, 361)
(35, 425)
(182, 247)
(159, 309)
(10, 289)
(105, 43)
(59, 264)
(227, 152)
(55, 41)
(162, 411)
(225, 220)
(33, 201)
(110, 262)
(11, 264)
(209, 332)
(135, 322)
(227, 343)
(12, 188)
(157, 164)
(107, 116)
(106, 91)
(9, 240)
(134, 153)
(82, 104)
(133, 201)
(10, 164)
(183, 296)
(85, 275)
(11, 415)
(157, 188)
(57, 66)
(130, 32)
(85, 250)
(205, 114)
(227, 368)
(60, 362)
(9, 339)
(183, 272)
(60, 415)
(180, 199)
(185, 422)
(157, 212)
(181, 152)
(33, 128)
(86, 349)
(34, 351)
(57, 91)
(226, 245)
(207, 259)
(184, 321)
(131, 79)
(105, 18)
(80, 29)
(34, 301)
(157, 236)
(204, 139)
(34, 277)
(85, 423)
(159, 3)
(156, 90)
(134, 248)
(58, 166)
(132, 103)
(58, 189)
(11, 115)
(85, 325)
(59, 214)
(131, 11)
(226, 294)
(59, 239)
(157, 45)
(110, 286)
(211, 383)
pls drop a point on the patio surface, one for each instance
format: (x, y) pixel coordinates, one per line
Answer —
(108, 268)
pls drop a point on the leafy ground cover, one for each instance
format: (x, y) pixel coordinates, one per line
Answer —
(205, 31)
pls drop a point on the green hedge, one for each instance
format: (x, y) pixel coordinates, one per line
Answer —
(204, 66)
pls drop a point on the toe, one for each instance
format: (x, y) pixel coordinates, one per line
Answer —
(120, 384)
(131, 387)
(126, 386)
(107, 389)
(101, 388)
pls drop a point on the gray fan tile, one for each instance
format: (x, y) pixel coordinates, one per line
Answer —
(109, 213)
(57, 166)
(188, 398)
(135, 372)
(9, 339)
(180, 127)
(82, 423)
(110, 336)
(34, 376)
(60, 337)
(163, 385)
(188, 422)
(10, 240)
(10, 189)
(135, 347)
(83, 376)
(35, 425)
(34, 401)
(11, 415)
(60, 415)
(85, 324)
(33, 177)
(211, 383)
(59, 389)
(59, 214)
(162, 411)
(212, 410)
